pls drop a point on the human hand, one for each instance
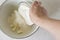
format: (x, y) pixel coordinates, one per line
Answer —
(37, 12)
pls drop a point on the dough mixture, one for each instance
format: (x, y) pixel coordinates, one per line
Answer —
(18, 24)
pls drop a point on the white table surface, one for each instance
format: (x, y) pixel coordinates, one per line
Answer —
(41, 34)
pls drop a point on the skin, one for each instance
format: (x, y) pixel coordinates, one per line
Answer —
(38, 15)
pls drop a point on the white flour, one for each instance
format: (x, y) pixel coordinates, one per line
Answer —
(18, 24)
(24, 11)
(19, 20)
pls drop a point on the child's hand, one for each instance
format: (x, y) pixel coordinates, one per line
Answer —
(37, 12)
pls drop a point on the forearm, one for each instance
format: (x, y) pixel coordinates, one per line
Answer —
(51, 25)
(38, 15)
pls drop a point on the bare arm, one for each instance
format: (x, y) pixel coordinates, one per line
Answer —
(38, 15)
(51, 25)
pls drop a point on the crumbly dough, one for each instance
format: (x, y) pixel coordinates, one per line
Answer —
(18, 24)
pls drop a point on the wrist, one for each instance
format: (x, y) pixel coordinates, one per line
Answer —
(42, 20)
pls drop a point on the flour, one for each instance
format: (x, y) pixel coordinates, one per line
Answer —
(24, 11)
(20, 21)
(18, 24)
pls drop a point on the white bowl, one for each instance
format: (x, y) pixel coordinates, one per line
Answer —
(5, 11)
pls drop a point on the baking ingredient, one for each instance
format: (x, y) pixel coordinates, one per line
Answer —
(24, 11)
(18, 24)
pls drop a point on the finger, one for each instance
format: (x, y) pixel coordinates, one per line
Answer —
(35, 4)
(44, 10)
(39, 2)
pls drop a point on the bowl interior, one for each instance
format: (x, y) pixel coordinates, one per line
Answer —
(5, 11)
